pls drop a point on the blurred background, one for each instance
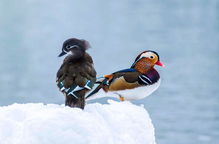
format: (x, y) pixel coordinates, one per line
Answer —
(185, 33)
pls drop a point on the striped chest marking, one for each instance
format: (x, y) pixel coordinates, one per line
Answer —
(149, 78)
(143, 79)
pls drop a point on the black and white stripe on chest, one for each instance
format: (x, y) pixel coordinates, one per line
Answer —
(149, 78)
(144, 80)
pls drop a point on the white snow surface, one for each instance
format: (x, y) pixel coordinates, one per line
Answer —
(112, 123)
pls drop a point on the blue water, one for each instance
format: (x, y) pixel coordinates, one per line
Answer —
(185, 33)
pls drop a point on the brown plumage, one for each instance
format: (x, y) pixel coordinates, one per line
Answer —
(76, 72)
(124, 80)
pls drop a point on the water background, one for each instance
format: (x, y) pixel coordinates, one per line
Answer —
(184, 110)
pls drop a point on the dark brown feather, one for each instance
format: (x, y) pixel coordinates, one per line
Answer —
(76, 72)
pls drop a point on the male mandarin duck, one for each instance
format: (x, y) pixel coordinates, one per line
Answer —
(138, 81)
(76, 76)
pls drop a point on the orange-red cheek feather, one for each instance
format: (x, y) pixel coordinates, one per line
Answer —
(144, 65)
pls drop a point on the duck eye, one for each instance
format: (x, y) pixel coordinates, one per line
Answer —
(68, 47)
(151, 57)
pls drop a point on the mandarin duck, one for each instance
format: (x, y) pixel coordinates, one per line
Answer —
(77, 75)
(133, 83)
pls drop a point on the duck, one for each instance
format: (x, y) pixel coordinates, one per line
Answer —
(136, 82)
(76, 75)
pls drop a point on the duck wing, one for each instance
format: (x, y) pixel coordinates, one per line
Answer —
(129, 75)
(80, 74)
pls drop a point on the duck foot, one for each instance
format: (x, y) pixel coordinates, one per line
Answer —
(121, 98)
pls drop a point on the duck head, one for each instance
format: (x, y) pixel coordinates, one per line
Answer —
(77, 47)
(146, 60)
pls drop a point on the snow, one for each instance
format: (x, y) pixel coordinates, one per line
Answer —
(112, 123)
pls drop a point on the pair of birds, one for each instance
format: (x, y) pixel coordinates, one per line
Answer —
(77, 75)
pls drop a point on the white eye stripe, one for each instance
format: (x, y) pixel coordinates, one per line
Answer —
(148, 55)
(70, 47)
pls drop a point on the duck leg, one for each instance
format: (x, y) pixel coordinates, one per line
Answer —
(121, 98)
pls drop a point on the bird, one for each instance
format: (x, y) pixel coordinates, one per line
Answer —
(140, 77)
(77, 75)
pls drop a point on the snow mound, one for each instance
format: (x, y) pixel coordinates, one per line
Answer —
(113, 123)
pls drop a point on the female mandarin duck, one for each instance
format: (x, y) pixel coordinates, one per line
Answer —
(138, 81)
(77, 75)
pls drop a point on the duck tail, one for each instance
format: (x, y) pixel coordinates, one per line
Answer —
(102, 82)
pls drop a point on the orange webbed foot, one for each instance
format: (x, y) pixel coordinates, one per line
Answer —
(121, 98)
